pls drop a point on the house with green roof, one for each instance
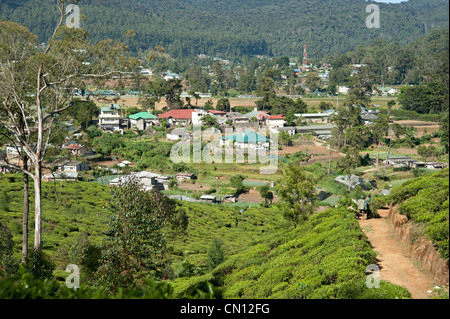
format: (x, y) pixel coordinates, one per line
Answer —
(142, 120)
(247, 139)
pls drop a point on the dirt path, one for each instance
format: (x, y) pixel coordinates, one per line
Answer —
(393, 260)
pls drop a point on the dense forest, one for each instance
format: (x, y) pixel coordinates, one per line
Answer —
(232, 29)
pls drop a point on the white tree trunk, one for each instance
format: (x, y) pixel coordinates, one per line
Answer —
(38, 211)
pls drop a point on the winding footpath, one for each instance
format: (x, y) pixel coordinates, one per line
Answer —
(392, 257)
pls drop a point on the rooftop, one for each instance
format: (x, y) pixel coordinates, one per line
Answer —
(143, 115)
(180, 114)
(247, 136)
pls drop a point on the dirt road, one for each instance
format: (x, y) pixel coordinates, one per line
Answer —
(395, 264)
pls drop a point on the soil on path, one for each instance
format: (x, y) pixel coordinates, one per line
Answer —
(393, 259)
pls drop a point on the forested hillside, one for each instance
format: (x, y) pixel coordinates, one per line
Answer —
(235, 28)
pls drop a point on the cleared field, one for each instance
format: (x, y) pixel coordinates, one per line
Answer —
(313, 103)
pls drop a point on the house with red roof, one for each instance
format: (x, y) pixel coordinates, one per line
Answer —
(275, 121)
(178, 116)
(75, 149)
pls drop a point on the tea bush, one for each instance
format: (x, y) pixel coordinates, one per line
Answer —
(325, 257)
(425, 200)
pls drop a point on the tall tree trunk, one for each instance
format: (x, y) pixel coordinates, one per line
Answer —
(37, 199)
(26, 208)
(329, 164)
(388, 154)
(378, 155)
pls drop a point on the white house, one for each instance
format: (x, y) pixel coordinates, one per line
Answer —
(315, 117)
(148, 181)
(275, 121)
(178, 134)
(343, 89)
(109, 118)
(197, 117)
(288, 129)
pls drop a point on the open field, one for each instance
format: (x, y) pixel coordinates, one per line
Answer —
(313, 103)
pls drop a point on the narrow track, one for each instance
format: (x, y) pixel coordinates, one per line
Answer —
(395, 264)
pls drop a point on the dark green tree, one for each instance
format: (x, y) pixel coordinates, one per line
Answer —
(216, 254)
(138, 228)
(296, 191)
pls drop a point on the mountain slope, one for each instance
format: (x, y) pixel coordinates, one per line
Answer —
(232, 28)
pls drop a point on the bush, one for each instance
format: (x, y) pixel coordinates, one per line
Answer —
(216, 254)
(39, 264)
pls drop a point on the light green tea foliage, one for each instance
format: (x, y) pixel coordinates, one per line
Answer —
(68, 209)
(425, 200)
(324, 258)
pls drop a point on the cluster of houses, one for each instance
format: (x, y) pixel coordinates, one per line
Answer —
(409, 162)
(382, 90)
(180, 119)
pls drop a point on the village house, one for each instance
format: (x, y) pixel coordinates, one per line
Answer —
(321, 134)
(288, 129)
(259, 115)
(197, 116)
(343, 90)
(234, 117)
(246, 140)
(148, 181)
(61, 176)
(386, 91)
(220, 116)
(124, 164)
(178, 117)
(401, 162)
(72, 167)
(315, 117)
(309, 129)
(142, 120)
(274, 121)
(169, 75)
(75, 149)
(208, 199)
(178, 134)
(109, 118)
(368, 118)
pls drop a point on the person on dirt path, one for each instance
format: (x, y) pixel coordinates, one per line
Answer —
(367, 206)
(361, 207)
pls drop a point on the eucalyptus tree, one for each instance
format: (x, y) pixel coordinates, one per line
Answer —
(37, 84)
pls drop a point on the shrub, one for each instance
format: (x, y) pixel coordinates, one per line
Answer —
(39, 264)
(216, 254)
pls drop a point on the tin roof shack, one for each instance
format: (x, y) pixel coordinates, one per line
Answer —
(185, 176)
(209, 199)
(401, 162)
(352, 181)
(149, 181)
(61, 176)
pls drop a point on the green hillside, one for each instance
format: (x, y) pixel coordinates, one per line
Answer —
(425, 204)
(235, 28)
(325, 258)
